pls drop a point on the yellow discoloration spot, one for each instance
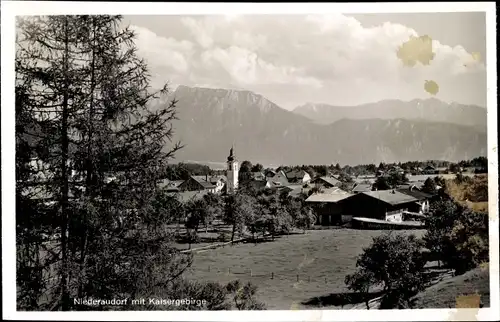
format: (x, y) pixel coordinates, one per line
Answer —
(485, 266)
(468, 308)
(295, 306)
(417, 49)
(468, 301)
(431, 87)
(476, 56)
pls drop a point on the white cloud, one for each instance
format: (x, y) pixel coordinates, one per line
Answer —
(332, 58)
(163, 52)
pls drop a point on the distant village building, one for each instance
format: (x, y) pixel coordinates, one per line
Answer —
(386, 205)
(362, 187)
(170, 185)
(429, 170)
(423, 199)
(278, 180)
(269, 173)
(326, 182)
(327, 207)
(213, 184)
(259, 176)
(298, 176)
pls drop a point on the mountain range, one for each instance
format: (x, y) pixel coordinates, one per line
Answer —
(432, 110)
(212, 120)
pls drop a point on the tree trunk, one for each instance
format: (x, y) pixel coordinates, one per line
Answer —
(233, 232)
(89, 167)
(64, 179)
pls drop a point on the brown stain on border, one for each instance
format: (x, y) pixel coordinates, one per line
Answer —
(467, 308)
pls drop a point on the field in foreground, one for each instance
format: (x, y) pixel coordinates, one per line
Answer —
(320, 260)
(467, 287)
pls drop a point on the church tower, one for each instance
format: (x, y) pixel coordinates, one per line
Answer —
(232, 172)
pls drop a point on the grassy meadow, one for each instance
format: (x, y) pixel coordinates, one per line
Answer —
(321, 259)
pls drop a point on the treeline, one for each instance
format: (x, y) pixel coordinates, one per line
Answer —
(182, 171)
(370, 169)
(90, 152)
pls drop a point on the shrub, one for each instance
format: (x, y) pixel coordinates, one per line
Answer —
(458, 235)
(393, 261)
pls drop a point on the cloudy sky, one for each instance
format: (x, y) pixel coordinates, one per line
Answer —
(333, 59)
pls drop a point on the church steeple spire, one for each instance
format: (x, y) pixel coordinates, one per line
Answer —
(231, 154)
(232, 171)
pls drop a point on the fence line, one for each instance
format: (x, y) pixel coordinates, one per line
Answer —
(290, 274)
(219, 245)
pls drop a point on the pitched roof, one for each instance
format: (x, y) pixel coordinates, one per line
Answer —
(170, 183)
(419, 195)
(329, 195)
(391, 197)
(362, 187)
(270, 172)
(278, 180)
(293, 186)
(295, 174)
(258, 184)
(416, 184)
(208, 182)
(330, 180)
(257, 175)
(189, 195)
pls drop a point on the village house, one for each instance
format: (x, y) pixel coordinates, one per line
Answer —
(385, 205)
(326, 182)
(257, 175)
(327, 206)
(442, 170)
(170, 185)
(396, 170)
(423, 199)
(298, 176)
(213, 184)
(417, 185)
(362, 187)
(429, 170)
(278, 180)
(269, 173)
(416, 171)
(186, 196)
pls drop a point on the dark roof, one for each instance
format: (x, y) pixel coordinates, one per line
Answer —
(270, 172)
(295, 174)
(258, 184)
(417, 194)
(208, 182)
(391, 197)
(257, 175)
(362, 187)
(293, 186)
(328, 179)
(189, 195)
(170, 184)
(278, 180)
